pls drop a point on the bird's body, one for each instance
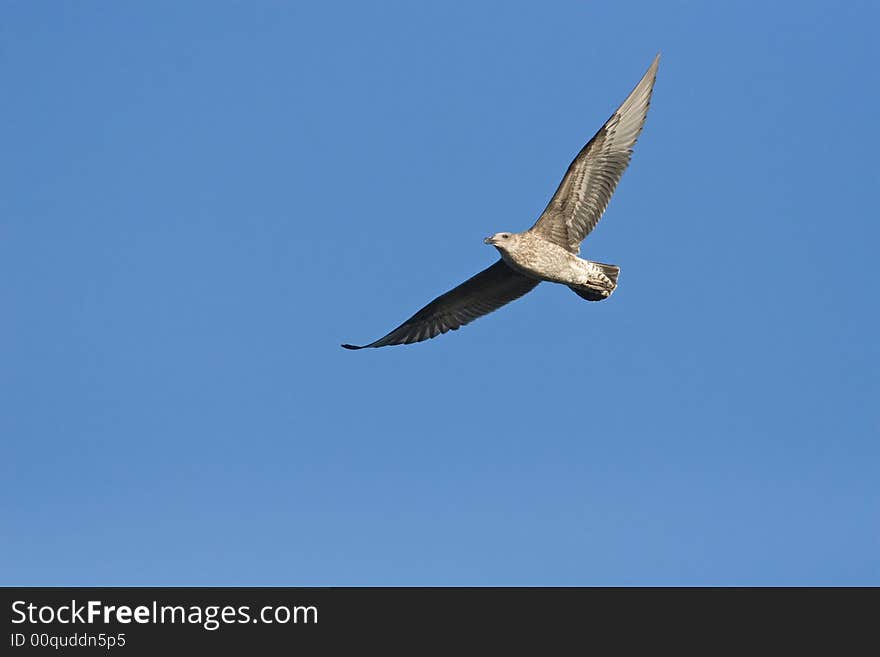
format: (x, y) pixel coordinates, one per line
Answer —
(538, 258)
(548, 251)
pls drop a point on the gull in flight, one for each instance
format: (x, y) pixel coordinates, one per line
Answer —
(548, 250)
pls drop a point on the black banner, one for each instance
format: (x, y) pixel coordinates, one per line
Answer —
(119, 621)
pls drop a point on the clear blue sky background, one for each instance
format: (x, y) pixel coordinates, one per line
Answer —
(200, 201)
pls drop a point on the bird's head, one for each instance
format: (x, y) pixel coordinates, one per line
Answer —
(501, 241)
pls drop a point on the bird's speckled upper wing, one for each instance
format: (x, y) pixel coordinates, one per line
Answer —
(584, 192)
(479, 295)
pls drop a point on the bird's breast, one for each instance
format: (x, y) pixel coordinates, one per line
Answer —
(545, 264)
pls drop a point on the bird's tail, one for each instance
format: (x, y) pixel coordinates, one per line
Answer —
(601, 286)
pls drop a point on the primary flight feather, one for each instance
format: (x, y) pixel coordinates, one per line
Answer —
(548, 250)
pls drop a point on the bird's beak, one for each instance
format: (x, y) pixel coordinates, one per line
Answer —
(489, 240)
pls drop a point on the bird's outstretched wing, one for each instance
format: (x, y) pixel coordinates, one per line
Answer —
(479, 295)
(587, 186)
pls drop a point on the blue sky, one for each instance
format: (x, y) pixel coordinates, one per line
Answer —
(202, 200)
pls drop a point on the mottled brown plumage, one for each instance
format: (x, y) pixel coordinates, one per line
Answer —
(548, 250)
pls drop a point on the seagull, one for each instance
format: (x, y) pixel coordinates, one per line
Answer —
(548, 250)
